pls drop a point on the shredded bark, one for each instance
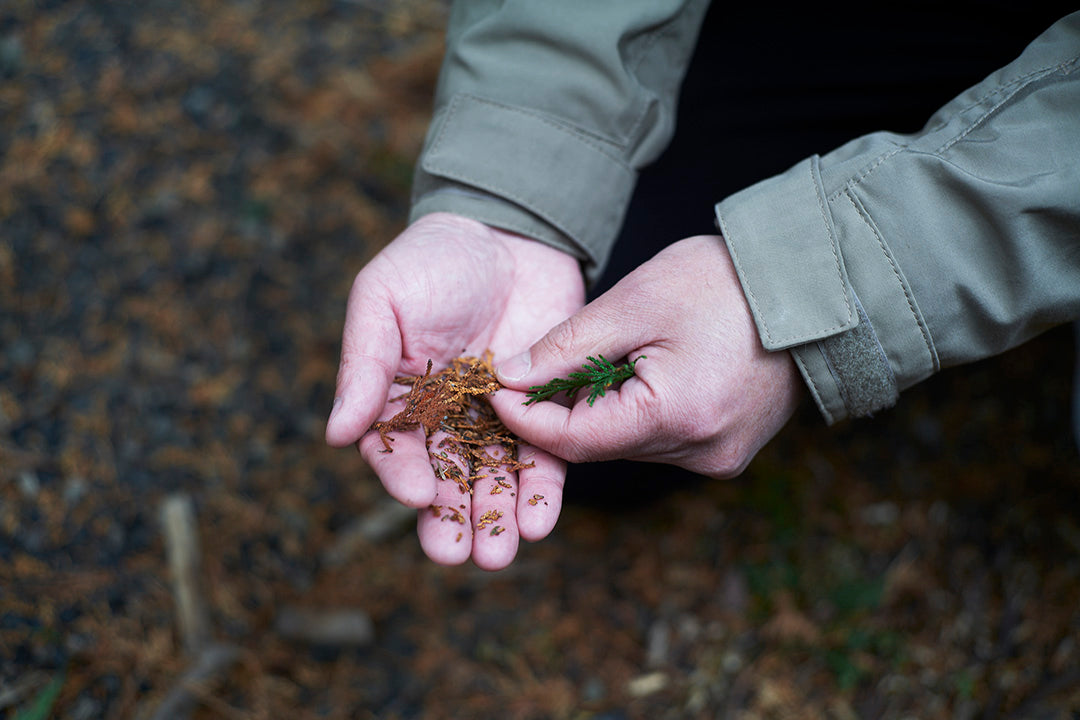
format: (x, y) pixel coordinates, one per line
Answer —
(453, 404)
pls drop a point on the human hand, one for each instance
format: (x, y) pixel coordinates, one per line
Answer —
(707, 397)
(449, 286)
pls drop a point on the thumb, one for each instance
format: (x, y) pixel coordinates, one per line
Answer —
(370, 355)
(596, 329)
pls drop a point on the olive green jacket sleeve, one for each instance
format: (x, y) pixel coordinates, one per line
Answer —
(545, 112)
(896, 255)
(874, 265)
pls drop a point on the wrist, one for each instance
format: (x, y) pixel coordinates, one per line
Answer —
(533, 255)
(501, 214)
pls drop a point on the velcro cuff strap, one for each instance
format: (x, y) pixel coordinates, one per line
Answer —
(573, 180)
(781, 239)
(862, 371)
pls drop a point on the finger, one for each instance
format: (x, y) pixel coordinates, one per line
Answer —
(600, 328)
(445, 528)
(624, 423)
(539, 499)
(493, 514)
(405, 471)
(370, 356)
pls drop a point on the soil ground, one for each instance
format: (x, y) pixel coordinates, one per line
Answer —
(185, 192)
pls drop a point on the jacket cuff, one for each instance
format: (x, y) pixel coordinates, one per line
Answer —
(787, 253)
(506, 151)
(446, 196)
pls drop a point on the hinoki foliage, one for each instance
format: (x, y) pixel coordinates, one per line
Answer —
(452, 405)
(599, 374)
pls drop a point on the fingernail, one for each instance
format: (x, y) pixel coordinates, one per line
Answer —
(334, 410)
(516, 367)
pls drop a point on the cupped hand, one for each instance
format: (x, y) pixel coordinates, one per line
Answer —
(706, 397)
(446, 287)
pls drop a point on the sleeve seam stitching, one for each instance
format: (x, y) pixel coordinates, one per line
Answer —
(1008, 90)
(432, 165)
(596, 142)
(833, 243)
(916, 316)
(1010, 87)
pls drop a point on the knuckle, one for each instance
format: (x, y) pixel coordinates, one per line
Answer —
(728, 461)
(675, 417)
(561, 340)
(346, 364)
(585, 445)
(574, 451)
(654, 416)
(703, 433)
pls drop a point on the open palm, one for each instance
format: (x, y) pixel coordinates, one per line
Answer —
(445, 287)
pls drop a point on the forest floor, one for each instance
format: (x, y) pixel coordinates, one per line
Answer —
(186, 190)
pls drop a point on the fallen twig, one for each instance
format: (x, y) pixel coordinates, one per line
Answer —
(182, 549)
(214, 660)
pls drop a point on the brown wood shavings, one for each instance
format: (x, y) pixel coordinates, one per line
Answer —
(453, 402)
(500, 485)
(454, 516)
(488, 518)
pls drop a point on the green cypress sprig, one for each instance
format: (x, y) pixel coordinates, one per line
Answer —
(599, 376)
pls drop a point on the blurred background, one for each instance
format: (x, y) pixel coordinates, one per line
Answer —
(186, 191)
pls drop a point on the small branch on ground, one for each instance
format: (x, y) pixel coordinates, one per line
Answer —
(182, 548)
(212, 662)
